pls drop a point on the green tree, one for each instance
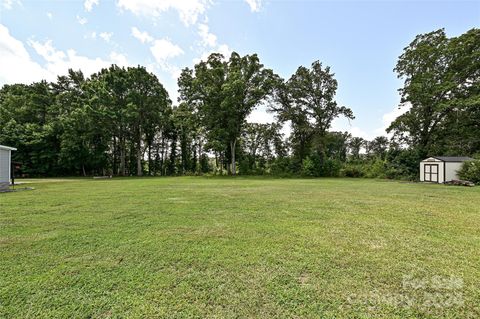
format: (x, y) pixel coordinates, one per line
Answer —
(355, 144)
(379, 146)
(441, 87)
(147, 101)
(307, 100)
(225, 92)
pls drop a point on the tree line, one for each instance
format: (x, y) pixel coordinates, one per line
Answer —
(121, 121)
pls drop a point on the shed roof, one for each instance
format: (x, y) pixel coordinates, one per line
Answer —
(8, 148)
(453, 158)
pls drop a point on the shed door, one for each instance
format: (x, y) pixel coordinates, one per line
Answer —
(431, 173)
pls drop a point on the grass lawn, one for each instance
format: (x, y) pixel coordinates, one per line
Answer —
(194, 247)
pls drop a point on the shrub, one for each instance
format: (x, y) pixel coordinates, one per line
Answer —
(470, 171)
(351, 170)
(330, 168)
(280, 166)
(204, 164)
(308, 167)
(244, 166)
(376, 169)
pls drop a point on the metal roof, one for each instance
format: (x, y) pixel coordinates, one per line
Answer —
(453, 158)
(3, 147)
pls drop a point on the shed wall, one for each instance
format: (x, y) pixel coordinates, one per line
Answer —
(5, 166)
(451, 170)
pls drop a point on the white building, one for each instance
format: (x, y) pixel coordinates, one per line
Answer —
(441, 169)
(5, 166)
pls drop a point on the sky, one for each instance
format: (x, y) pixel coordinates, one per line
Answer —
(360, 40)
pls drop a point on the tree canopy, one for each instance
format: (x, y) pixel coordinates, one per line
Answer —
(121, 121)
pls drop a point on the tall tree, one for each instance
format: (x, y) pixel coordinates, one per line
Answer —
(441, 86)
(225, 92)
(379, 146)
(307, 100)
(355, 144)
(147, 102)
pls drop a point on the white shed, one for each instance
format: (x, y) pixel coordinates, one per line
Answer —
(441, 169)
(5, 166)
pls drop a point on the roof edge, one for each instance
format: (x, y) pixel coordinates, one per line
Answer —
(452, 159)
(8, 148)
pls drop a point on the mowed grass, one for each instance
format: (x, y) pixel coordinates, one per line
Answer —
(194, 247)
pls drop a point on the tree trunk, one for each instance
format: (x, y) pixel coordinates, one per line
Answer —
(139, 153)
(226, 164)
(162, 155)
(114, 164)
(232, 149)
(122, 156)
(198, 166)
(220, 159)
(149, 159)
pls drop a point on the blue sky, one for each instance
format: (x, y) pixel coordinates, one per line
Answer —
(360, 40)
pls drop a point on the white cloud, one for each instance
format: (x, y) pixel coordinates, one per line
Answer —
(106, 36)
(163, 50)
(188, 10)
(16, 65)
(8, 4)
(254, 5)
(75, 61)
(118, 58)
(92, 35)
(342, 124)
(208, 39)
(49, 15)
(81, 20)
(358, 132)
(47, 51)
(345, 125)
(144, 37)
(86, 64)
(260, 115)
(389, 117)
(209, 44)
(88, 4)
(58, 62)
(222, 49)
(173, 70)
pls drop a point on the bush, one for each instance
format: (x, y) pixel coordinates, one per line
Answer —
(330, 168)
(351, 170)
(376, 169)
(308, 167)
(470, 171)
(244, 167)
(281, 166)
(204, 164)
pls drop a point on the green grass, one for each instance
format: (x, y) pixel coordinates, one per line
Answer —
(239, 247)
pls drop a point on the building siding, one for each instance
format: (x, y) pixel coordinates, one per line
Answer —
(451, 170)
(447, 171)
(5, 166)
